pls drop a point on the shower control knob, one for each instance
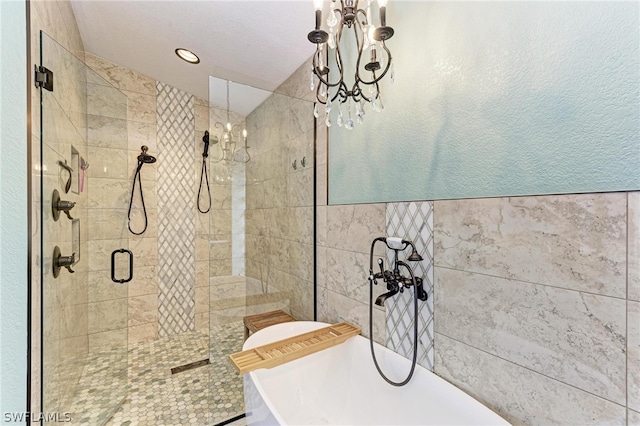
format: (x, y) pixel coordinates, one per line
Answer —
(60, 261)
(58, 205)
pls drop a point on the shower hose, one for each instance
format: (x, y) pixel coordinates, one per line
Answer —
(415, 324)
(144, 209)
(204, 176)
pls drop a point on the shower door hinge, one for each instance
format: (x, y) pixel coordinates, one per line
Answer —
(44, 78)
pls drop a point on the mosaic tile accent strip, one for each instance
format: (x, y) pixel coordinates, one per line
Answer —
(412, 221)
(176, 216)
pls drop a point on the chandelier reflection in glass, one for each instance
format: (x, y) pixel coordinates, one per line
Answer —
(374, 59)
(227, 135)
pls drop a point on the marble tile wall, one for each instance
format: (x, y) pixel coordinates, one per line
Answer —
(343, 265)
(279, 198)
(202, 221)
(227, 195)
(343, 232)
(534, 309)
(633, 309)
(115, 139)
(136, 128)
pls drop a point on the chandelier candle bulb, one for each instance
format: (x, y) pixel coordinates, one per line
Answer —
(383, 12)
(317, 4)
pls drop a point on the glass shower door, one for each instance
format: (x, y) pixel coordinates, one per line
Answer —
(261, 223)
(83, 216)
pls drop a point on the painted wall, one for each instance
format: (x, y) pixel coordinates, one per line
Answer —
(494, 99)
(13, 221)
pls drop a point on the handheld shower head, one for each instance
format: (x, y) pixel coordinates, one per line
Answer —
(415, 256)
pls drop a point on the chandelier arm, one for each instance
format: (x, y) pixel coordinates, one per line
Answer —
(320, 77)
(364, 22)
(360, 47)
(386, 68)
(357, 92)
(219, 143)
(211, 157)
(318, 94)
(338, 58)
(342, 93)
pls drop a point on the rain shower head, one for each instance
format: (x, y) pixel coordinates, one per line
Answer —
(144, 157)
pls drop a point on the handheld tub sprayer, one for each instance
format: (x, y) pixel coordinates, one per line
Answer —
(396, 282)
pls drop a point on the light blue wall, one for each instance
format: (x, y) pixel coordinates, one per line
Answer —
(493, 99)
(13, 207)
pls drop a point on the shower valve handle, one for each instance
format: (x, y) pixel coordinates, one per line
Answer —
(381, 265)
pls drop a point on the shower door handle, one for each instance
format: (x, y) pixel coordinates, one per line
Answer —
(113, 266)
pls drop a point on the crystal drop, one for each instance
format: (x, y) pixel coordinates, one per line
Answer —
(377, 104)
(332, 20)
(392, 73)
(311, 86)
(328, 107)
(327, 120)
(323, 90)
(332, 39)
(340, 119)
(359, 113)
(316, 113)
(349, 124)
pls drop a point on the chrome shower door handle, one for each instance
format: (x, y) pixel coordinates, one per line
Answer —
(113, 266)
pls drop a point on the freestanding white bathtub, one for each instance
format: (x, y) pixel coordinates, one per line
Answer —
(340, 386)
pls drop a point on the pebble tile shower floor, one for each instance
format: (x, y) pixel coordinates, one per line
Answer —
(205, 395)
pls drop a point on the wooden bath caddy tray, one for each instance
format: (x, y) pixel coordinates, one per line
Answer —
(282, 351)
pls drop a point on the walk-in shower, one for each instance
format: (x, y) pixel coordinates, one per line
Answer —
(154, 348)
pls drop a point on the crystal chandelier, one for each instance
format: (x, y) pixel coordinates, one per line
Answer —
(373, 57)
(229, 134)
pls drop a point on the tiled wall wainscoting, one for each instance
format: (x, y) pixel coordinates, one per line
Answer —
(536, 309)
(536, 306)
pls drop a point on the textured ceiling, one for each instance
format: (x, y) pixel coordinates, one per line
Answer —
(258, 43)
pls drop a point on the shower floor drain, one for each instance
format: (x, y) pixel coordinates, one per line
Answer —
(190, 366)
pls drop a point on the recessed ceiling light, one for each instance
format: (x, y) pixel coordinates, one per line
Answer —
(188, 56)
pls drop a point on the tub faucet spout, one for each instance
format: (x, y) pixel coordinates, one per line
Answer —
(380, 300)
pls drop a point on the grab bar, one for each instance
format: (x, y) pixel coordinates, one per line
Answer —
(113, 266)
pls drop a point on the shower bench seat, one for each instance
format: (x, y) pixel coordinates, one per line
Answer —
(253, 323)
